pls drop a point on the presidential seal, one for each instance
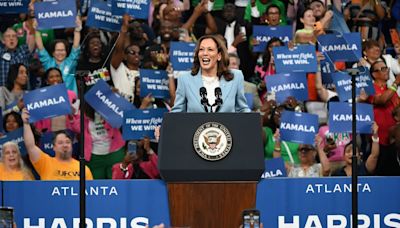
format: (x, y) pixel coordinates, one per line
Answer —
(212, 141)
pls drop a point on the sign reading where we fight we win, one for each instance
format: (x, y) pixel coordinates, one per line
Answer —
(181, 55)
(15, 136)
(154, 82)
(13, 6)
(264, 33)
(298, 127)
(139, 123)
(109, 105)
(299, 59)
(55, 14)
(341, 47)
(285, 85)
(47, 102)
(340, 117)
(343, 83)
(100, 16)
(138, 8)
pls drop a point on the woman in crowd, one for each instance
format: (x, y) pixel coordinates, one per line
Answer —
(306, 34)
(363, 168)
(59, 58)
(11, 94)
(308, 166)
(139, 165)
(53, 77)
(271, 17)
(12, 168)
(210, 70)
(12, 121)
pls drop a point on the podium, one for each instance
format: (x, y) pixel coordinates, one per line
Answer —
(211, 163)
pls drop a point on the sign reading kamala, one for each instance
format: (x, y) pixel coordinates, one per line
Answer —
(16, 136)
(47, 102)
(264, 33)
(137, 8)
(326, 202)
(13, 6)
(340, 117)
(181, 55)
(299, 59)
(133, 204)
(100, 16)
(274, 168)
(298, 127)
(285, 85)
(141, 122)
(55, 14)
(343, 83)
(345, 47)
(154, 82)
(108, 104)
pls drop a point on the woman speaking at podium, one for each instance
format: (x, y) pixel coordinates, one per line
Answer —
(210, 86)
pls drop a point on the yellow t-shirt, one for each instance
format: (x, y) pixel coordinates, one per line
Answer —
(50, 168)
(7, 175)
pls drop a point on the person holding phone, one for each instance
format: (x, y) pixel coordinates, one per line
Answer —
(209, 73)
(140, 162)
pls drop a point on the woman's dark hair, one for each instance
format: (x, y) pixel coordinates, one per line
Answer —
(90, 36)
(17, 118)
(272, 6)
(299, 24)
(46, 75)
(223, 64)
(267, 55)
(53, 45)
(13, 74)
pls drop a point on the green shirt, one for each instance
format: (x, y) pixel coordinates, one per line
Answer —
(218, 4)
(270, 145)
(47, 34)
(263, 7)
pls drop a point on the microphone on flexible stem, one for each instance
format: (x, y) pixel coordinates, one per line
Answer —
(218, 99)
(204, 100)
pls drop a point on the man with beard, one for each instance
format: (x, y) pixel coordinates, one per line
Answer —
(60, 167)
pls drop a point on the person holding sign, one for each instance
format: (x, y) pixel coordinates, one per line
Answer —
(12, 167)
(60, 167)
(211, 86)
(59, 58)
(384, 100)
(364, 168)
(53, 77)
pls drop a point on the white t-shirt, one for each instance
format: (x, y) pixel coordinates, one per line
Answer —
(101, 143)
(124, 81)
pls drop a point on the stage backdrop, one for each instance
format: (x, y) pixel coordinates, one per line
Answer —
(283, 202)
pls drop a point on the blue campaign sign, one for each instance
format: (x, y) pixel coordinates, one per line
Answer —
(139, 9)
(109, 105)
(285, 85)
(139, 123)
(249, 100)
(13, 6)
(181, 55)
(154, 82)
(47, 102)
(327, 68)
(264, 33)
(100, 16)
(55, 14)
(298, 127)
(340, 117)
(326, 202)
(1, 120)
(16, 136)
(299, 59)
(274, 168)
(341, 47)
(109, 203)
(343, 86)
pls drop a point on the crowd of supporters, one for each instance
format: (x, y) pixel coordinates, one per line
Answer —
(32, 58)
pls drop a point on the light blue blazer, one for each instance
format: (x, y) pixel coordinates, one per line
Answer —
(188, 93)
